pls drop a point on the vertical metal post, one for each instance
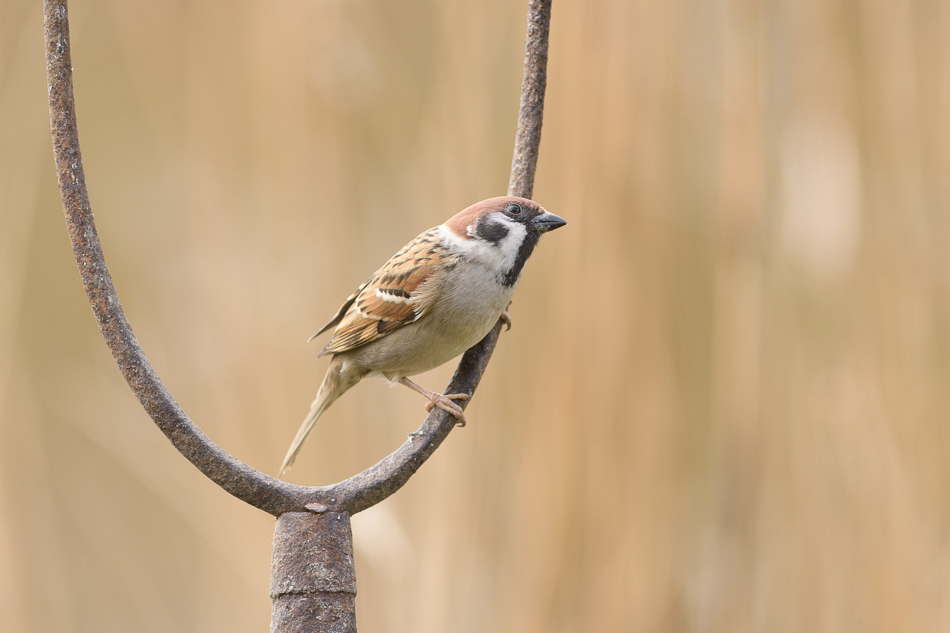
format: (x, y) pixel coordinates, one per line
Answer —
(313, 578)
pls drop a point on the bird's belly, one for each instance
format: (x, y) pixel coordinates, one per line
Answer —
(468, 310)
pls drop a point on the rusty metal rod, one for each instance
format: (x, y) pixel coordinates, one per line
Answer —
(313, 520)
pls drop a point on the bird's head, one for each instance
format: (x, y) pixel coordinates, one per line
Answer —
(500, 233)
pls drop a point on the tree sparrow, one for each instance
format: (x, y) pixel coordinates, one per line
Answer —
(438, 296)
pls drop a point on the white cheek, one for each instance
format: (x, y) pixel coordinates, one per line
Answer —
(512, 242)
(498, 258)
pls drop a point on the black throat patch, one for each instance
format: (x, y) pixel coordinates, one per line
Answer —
(527, 246)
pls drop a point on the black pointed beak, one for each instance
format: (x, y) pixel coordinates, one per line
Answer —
(547, 221)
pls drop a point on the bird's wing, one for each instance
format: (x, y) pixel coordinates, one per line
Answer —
(342, 311)
(399, 293)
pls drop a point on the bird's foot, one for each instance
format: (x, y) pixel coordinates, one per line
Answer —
(445, 403)
(506, 319)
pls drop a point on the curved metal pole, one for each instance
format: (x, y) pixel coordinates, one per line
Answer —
(258, 489)
(531, 112)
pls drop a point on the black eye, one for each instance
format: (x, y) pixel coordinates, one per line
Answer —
(513, 208)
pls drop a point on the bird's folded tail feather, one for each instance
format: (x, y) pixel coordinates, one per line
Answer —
(335, 383)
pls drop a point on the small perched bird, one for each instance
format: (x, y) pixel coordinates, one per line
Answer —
(438, 296)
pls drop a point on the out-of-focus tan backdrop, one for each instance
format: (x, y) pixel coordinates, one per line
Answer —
(725, 402)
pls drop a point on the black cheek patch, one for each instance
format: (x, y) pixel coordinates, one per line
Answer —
(493, 232)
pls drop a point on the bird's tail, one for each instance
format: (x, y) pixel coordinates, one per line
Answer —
(335, 383)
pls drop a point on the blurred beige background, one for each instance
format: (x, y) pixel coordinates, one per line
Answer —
(725, 402)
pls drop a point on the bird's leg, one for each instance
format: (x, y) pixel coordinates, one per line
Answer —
(444, 402)
(506, 319)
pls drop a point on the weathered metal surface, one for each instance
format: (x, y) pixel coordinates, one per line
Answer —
(314, 613)
(531, 113)
(313, 578)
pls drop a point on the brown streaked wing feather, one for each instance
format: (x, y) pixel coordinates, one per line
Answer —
(399, 293)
